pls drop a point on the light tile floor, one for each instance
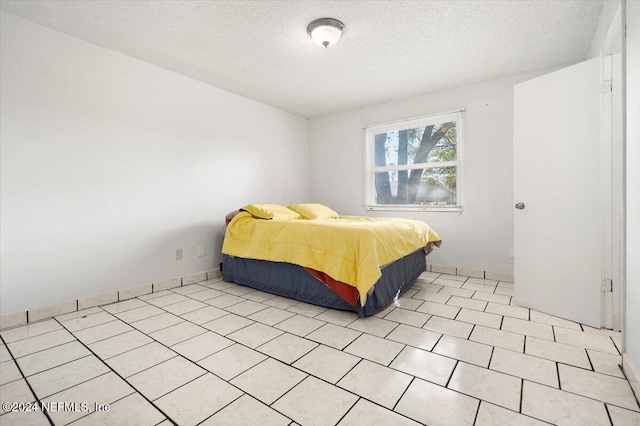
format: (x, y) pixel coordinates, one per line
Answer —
(452, 351)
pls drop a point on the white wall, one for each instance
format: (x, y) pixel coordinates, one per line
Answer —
(479, 237)
(632, 324)
(109, 164)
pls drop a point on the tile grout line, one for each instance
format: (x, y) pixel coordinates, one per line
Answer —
(251, 368)
(109, 337)
(38, 402)
(413, 378)
(614, 345)
(167, 393)
(606, 407)
(42, 350)
(347, 412)
(453, 370)
(94, 325)
(193, 310)
(125, 380)
(491, 357)
(231, 402)
(179, 341)
(436, 344)
(128, 350)
(589, 359)
(290, 364)
(475, 418)
(521, 396)
(110, 404)
(60, 365)
(600, 373)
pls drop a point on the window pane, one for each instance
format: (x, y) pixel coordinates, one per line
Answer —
(438, 187)
(433, 186)
(432, 143)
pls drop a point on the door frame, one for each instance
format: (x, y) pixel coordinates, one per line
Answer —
(612, 177)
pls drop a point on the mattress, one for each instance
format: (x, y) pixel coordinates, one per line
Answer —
(349, 249)
(293, 281)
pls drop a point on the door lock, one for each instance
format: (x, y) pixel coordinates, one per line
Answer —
(520, 206)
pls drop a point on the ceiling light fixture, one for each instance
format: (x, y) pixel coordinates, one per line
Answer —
(325, 31)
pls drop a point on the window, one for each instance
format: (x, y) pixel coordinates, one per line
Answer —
(414, 164)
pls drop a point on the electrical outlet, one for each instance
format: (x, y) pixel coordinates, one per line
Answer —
(178, 254)
(200, 251)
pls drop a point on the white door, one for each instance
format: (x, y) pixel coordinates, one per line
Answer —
(557, 168)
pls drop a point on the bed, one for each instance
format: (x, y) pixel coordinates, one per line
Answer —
(309, 253)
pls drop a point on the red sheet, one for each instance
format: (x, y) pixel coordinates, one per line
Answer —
(345, 291)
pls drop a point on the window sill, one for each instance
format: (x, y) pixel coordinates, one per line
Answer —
(453, 209)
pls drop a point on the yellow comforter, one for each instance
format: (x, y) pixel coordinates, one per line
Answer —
(351, 249)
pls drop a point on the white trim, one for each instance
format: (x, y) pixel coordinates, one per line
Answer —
(606, 193)
(460, 158)
(423, 166)
(613, 176)
(413, 207)
(38, 314)
(623, 171)
(632, 375)
(463, 271)
(414, 122)
(455, 111)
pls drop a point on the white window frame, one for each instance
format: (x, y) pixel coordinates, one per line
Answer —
(371, 169)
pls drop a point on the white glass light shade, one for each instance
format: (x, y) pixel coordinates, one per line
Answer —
(326, 31)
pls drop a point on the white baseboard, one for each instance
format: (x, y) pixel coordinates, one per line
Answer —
(38, 314)
(632, 376)
(471, 272)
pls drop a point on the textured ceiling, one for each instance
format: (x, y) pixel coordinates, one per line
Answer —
(390, 49)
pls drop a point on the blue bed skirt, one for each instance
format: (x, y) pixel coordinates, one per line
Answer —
(292, 281)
